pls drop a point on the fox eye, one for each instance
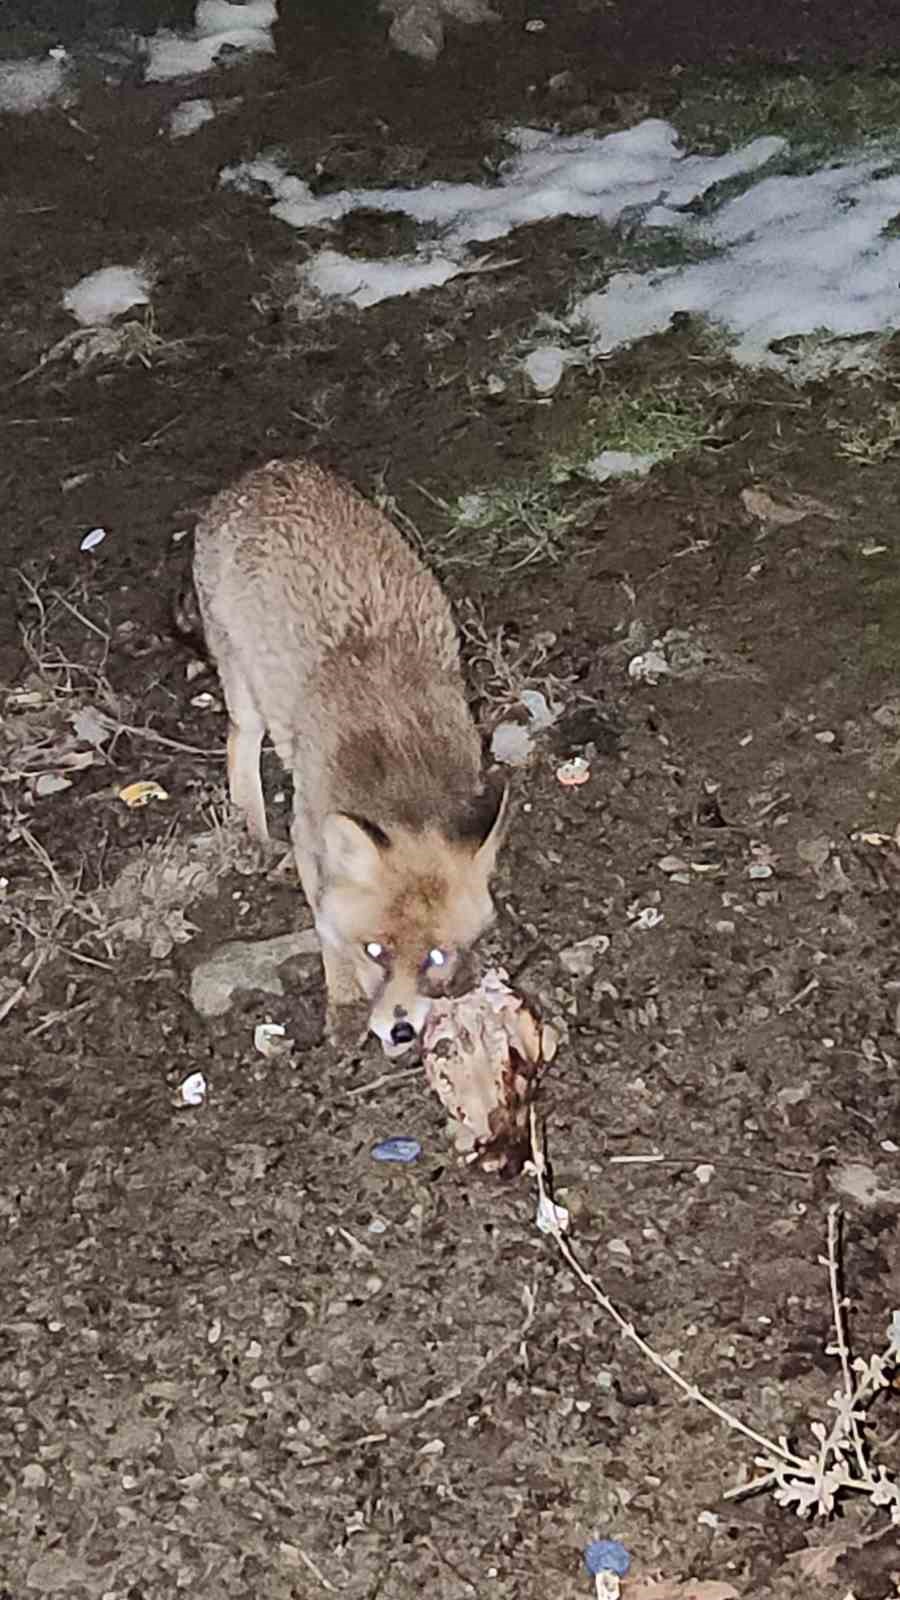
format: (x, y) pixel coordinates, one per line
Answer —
(437, 958)
(377, 952)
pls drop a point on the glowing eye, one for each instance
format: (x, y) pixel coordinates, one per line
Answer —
(437, 958)
(375, 950)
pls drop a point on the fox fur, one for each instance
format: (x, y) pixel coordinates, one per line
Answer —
(329, 632)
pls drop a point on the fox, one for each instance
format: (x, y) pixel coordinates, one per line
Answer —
(329, 632)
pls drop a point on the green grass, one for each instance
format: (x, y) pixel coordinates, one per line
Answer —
(516, 523)
(658, 420)
(821, 113)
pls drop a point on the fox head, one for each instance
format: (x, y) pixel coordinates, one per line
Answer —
(404, 906)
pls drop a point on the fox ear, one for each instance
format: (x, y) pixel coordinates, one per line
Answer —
(354, 847)
(486, 821)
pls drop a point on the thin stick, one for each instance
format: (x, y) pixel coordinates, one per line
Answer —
(841, 1341)
(80, 617)
(153, 737)
(311, 1565)
(13, 999)
(627, 1328)
(380, 1083)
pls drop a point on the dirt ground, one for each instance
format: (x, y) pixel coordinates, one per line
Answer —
(239, 1357)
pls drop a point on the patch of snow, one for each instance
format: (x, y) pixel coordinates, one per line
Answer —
(544, 368)
(791, 256)
(365, 283)
(105, 294)
(218, 25)
(550, 176)
(33, 84)
(799, 255)
(619, 464)
(188, 116)
(472, 510)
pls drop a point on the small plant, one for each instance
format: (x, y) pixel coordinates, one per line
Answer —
(507, 527)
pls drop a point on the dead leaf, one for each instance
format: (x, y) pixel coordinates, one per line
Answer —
(789, 509)
(92, 726)
(819, 1561)
(139, 794)
(50, 783)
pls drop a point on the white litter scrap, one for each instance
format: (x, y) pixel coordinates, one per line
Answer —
(269, 1039)
(33, 84)
(649, 666)
(105, 294)
(93, 539)
(550, 1217)
(511, 744)
(219, 26)
(192, 1091)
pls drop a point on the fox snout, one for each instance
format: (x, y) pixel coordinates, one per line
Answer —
(398, 1016)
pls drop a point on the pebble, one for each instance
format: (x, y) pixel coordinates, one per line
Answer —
(398, 1149)
(606, 1555)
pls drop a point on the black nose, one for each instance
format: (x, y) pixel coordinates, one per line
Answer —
(402, 1033)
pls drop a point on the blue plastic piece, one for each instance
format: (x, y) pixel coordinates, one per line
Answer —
(606, 1555)
(405, 1150)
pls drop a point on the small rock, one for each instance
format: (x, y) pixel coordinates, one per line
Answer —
(814, 852)
(580, 959)
(419, 31)
(670, 864)
(434, 1447)
(397, 1149)
(246, 964)
(888, 715)
(565, 86)
(606, 1555)
(51, 783)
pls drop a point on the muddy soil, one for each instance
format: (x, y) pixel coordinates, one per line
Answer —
(239, 1356)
